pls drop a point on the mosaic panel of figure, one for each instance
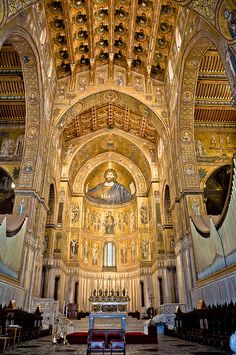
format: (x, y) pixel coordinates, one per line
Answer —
(227, 19)
(145, 248)
(110, 221)
(11, 144)
(91, 252)
(214, 144)
(109, 190)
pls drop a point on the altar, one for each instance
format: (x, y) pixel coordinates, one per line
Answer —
(109, 301)
(108, 316)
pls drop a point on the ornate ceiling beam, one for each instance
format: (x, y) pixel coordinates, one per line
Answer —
(126, 121)
(212, 80)
(214, 105)
(132, 14)
(8, 101)
(142, 127)
(77, 126)
(110, 117)
(94, 118)
(90, 12)
(211, 76)
(154, 32)
(11, 78)
(68, 25)
(111, 25)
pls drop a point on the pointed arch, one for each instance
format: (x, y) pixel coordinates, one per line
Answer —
(185, 130)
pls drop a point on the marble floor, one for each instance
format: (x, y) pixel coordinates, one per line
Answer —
(165, 346)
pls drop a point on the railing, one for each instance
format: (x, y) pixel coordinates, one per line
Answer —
(49, 307)
(170, 308)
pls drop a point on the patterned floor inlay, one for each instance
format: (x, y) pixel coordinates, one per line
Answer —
(165, 346)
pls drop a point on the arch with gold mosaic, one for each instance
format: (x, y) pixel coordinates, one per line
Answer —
(185, 140)
(31, 165)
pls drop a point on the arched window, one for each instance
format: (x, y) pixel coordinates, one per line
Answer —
(109, 255)
(168, 216)
(51, 203)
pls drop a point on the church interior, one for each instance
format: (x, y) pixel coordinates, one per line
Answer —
(117, 154)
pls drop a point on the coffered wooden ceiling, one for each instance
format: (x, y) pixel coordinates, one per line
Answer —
(12, 91)
(213, 93)
(135, 34)
(111, 116)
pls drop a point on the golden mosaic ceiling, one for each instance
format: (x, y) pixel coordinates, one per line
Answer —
(213, 93)
(134, 34)
(12, 91)
(110, 115)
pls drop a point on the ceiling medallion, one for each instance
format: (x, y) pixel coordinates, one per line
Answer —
(190, 169)
(192, 63)
(144, 4)
(186, 135)
(121, 13)
(159, 56)
(144, 110)
(33, 97)
(76, 109)
(102, 29)
(55, 7)
(167, 10)
(28, 166)
(80, 18)
(32, 132)
(142, 20)
(187, 96)
(78, 3)
(162, 42)
(109, 96)
(101, 14)
(110, 144)
(164, 27)
(140, 36)
(28, 60)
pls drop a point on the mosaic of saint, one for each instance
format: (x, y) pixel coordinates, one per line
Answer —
(110, 191)
(227, 19)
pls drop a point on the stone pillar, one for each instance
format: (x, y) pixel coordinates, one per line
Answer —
(183, 280)
(170, 285)
(46, 281)
(28, 279)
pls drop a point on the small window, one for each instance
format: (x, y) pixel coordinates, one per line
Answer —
(109, 256)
